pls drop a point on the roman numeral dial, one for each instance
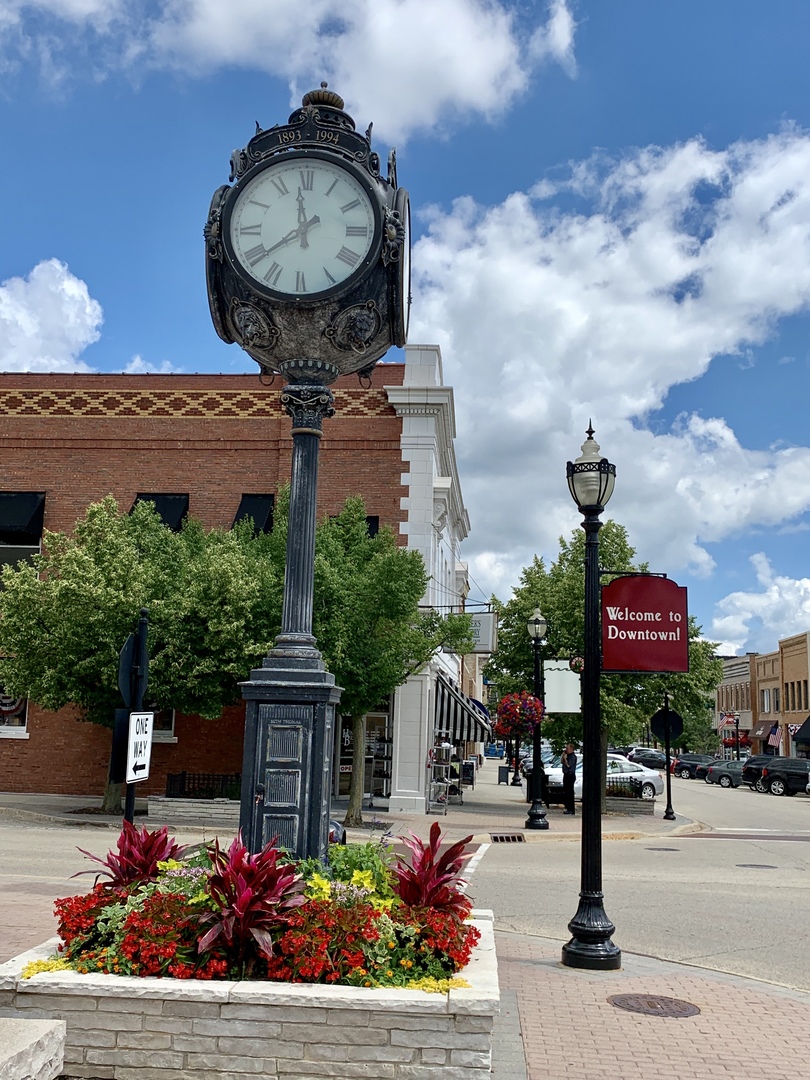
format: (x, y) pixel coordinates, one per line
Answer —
(302, 226)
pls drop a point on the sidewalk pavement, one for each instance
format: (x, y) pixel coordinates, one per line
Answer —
(558, 1023)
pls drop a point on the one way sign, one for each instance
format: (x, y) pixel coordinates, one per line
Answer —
(139, 746)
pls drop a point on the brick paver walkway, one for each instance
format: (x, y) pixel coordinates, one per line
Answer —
(745, 1029)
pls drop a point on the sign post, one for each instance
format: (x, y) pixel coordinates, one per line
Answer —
(667, 725)
(133, 678)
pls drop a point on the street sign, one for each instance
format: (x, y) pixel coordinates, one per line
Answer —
(139, 746)
(645, 625)
(666, 725)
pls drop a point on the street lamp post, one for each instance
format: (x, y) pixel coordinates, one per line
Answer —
(590, 480)
(537, 627)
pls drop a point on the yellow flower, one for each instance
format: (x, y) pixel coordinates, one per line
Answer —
(392, 944)
(363, 879)
(55, 963)
(319, 887)
(170, 864)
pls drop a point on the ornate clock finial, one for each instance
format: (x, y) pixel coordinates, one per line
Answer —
(323, 97)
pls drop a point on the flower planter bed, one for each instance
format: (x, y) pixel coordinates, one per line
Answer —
(128, 1028)
(207, 813)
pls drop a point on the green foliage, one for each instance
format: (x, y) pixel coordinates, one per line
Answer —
(628, 701)
(367, 618)
(372, 858)
(211, 598)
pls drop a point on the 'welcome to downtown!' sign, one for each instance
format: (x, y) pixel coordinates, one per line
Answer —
(644, 625)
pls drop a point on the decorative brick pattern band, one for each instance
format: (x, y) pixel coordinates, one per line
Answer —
(177, 404)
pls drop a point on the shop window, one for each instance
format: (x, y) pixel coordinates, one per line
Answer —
(21, 517)
(13, 717)
(171, 509)
(259, 508)
(163, 725)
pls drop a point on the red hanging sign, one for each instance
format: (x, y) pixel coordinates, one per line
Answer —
(644, 625)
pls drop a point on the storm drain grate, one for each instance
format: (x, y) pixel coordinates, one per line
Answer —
(508, 838)
(652, 1005)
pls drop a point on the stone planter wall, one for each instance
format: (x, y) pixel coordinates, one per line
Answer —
(202, 812)
(615, 805)
(126, 1028)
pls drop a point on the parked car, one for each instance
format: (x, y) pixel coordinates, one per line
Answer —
(752, 771)
(685, 765)
(725, 773)
(337, 834)
(651, 781)
(650, 759)
(786, 776)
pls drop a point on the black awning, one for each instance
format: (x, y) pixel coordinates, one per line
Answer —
(171, 509)
(260, 509)
(457, 717)
(21, 517)
(762, 730)
(803, 734)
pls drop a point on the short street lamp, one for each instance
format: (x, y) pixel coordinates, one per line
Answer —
(590, 480)
(537, 627)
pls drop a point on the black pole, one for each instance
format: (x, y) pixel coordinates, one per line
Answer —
(138, 682)
(536, 818)
(737, 733)
(669, 813)
(591, 946)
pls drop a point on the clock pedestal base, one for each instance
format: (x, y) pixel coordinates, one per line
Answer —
(291, 699)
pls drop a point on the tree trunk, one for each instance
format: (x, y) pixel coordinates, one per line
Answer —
(111, 803)
(354, 814)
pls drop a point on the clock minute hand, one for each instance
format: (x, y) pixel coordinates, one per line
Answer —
(288, 239)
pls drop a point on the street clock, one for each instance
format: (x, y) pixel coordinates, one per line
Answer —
(308, 253)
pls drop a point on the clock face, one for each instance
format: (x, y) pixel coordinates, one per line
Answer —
(302, 227)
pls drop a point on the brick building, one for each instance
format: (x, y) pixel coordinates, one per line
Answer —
(217, 446)
(779, 702)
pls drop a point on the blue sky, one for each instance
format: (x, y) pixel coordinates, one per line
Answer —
(612, 220)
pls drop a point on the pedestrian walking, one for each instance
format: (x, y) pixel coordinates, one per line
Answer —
(569, 769)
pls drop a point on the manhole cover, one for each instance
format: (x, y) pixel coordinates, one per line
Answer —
(508, 838)
(652, 1005)
(663, 849)
(755, 866)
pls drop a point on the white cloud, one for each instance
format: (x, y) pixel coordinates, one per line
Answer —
(555, 40)
(47, 320)
(405, 64)
(546, 319)
(755, 621)
(139, 366)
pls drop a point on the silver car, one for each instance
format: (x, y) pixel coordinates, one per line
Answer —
(652, 783)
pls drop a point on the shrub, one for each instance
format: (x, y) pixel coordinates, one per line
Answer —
(139, 853)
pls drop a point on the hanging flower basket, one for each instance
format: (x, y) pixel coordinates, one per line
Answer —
(517, 715)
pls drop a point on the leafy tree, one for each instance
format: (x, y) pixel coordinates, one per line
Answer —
(65, 616)
(368, 623)
(628, 701)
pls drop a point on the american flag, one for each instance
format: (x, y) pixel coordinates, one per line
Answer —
(775, 737)
(726, 719)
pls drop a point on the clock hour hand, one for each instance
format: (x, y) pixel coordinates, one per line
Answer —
(304, 228)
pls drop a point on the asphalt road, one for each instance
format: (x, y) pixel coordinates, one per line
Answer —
(736, 900)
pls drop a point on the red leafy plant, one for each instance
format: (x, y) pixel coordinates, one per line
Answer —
(432, 880)
(139, 852)
(251, 894)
